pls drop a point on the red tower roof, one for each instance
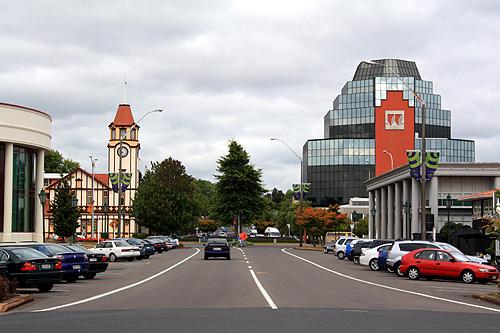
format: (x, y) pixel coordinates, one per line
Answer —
(124, 116)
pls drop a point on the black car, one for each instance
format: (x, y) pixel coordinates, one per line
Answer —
(97, 261)
(30, 267)
(149, 248)
(158, 244)
(217, 247)
(356, 251)
(73, 263)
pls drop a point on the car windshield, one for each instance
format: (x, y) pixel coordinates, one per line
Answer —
(77, 248)
(27, 253)
(216, 242)
(449, 247)
(56, 248)
(459, 256)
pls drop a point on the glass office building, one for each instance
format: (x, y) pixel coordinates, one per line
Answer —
(374, 121)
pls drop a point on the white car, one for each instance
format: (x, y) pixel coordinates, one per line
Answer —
(369, 257)
(340, 245)
(117, 249)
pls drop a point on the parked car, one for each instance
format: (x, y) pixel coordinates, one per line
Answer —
(332, 237)
(117, 249)
(217, 247)
(30, 267)
(158, 244)
(445, 263)
(340, 246)
(149, 248)
(167, 243)
(97, 261)
(400, 248)
(382, 257)
(356, 250)
(136, 242)
(369, 256)
(73, 263)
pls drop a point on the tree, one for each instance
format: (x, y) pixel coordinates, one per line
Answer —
(54, 162)
(207, 225)
(288, 213)
(165, 199)
(62, 211)
(443, 233)
(361, 228)
(239, 188)
(317, 222)
(203, 193)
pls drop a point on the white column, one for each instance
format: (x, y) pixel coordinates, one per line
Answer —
(433, 200)
(406, 198)
(378, 206)
(415, 205)
(38, 187)
(383, 213)
(371, 222)
(390, 211)
(398, 230)
(7, 192)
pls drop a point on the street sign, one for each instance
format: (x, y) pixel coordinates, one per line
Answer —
(113, 224)
(243, 236)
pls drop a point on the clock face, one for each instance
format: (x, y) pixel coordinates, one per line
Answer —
(122, 152)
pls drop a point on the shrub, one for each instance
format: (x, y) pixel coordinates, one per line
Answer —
(7, 288)
(139, 235)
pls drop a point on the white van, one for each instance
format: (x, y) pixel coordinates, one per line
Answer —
(272, 232)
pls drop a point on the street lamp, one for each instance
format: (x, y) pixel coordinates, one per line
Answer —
(74, 204)
(105, 208)
(424, 158)
(374, 212)
(448, 202)
(406, 209)
(43, 198)
(300, 189)
(120, 191)
(93, 160)
(392, 161)
(354, 217)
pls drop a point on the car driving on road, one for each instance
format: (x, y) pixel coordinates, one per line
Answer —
(217, 247)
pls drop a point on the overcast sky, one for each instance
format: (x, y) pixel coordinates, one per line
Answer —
(243, 70)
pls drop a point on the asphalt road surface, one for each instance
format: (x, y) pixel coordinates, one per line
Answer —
(269, 288)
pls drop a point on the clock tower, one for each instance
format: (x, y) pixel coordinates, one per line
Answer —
(129, 151)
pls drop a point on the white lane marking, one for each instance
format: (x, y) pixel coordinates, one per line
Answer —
(93, 298)
(261, 288)
(391, 288)
(263, 291)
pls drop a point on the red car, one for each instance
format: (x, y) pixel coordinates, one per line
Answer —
(431, 263)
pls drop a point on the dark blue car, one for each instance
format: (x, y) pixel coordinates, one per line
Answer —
(217, 247)
(73, 263)
(382, 256)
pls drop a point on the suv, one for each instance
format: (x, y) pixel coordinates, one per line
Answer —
(340, 245)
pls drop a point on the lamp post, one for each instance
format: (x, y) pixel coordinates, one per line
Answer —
(43, 198)
(300, 189)
(74, 204)
(448, 202)
(424, 158)
(374, 212)
(120, 191)
(392, 161)
(406, 209)
(354, 217)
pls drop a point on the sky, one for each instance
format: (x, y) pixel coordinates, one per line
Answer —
(237, 70)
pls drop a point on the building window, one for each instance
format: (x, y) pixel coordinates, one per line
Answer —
(105, 200)
(79, 183)
(122, 132)
(132, 134)
(23, 199)
(89, 197)
(113, 134)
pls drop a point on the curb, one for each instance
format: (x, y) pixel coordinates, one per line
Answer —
(487, 298)
(15, 301)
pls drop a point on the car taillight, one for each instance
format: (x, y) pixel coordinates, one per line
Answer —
(85, 257)
(125, 250)
(104, 259)
(28, 267)
(58, 265)
(58, 256)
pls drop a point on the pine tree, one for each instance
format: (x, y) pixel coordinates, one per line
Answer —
(62, 211)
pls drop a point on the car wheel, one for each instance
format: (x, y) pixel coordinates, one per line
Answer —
(160, 251)
(206, 257)
(374, 264)
(341, 255)
(413, 273)
(468, 276)
(397, 269)
(112, 257)
(130, 259)
(146, 257)
(72, 279)
(325, 250)
(44, 287)
(228, 257)
(140, 257)
(389, 269)
(355, 260)
(89, 276)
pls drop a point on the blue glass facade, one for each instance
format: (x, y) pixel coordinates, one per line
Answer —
(337, 165)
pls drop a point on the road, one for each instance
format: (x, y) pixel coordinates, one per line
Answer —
(264, 287)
